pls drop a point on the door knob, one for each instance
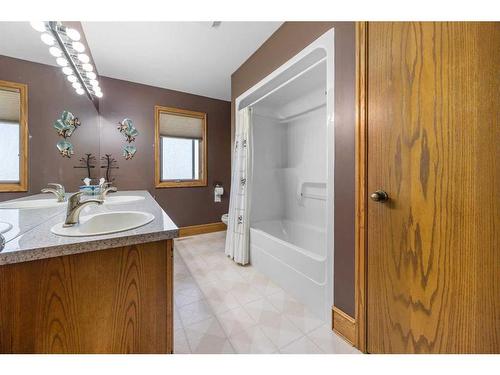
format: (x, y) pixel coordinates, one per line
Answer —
(379, 196)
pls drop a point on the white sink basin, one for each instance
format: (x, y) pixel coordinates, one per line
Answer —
(105, 223)
(5, 227)
(32, 204)
(122, 199)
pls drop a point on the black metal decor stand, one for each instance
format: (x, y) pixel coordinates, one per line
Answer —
(110, 163)
(87, 162)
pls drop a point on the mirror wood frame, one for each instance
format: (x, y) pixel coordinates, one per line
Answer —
(159, 183)
(22, 185)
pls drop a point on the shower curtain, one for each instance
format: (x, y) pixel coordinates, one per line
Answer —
(238, 225)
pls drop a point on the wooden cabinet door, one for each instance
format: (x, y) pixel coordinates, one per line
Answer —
(433, 250)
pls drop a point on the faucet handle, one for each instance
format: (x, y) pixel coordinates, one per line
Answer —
(74, 200)
(57, 186)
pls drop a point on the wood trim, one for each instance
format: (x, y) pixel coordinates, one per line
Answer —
(170, 297)
(361, 193)
(344, 325)
(204, 144)
(22, 185)
(200, 229)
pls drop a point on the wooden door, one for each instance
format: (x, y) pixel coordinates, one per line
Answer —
(433, 144)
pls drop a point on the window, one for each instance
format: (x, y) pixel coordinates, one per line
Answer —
(180, 159)
(180, 148)
(13, 137)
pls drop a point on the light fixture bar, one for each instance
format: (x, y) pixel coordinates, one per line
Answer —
(53, 27)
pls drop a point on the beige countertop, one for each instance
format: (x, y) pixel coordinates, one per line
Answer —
(30, 237)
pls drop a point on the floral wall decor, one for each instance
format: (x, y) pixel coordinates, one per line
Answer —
(65, 126)
(127, 128)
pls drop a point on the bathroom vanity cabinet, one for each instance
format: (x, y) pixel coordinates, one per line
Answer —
(99, 294)
(108, 301)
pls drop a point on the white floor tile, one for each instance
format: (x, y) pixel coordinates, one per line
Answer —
(194, 312)
(181, 345)
(187, 295)
(235, 320)
(329, 342)
(263, 284)
(295, 311)
(223, 307)
(303, 345)
(208, 337)
(244, 292)
(274, 324)
(252, 341)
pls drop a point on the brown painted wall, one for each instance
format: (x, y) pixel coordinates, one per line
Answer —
(186, 206)
(286, 42)
(49, 94)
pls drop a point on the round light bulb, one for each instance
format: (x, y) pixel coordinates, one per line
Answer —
(72, 78)
(38, 26)
(47, 39)
(73, 34)
(83, 58)
(78, 47)
(98, 94)
(67, 70)
(55, 51)
(96, 88)
(61, 61)
(77, 85)
(88, 67)
(80, 91)
(94, 82)
(91, 75)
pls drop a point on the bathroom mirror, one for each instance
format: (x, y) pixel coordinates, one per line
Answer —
(27, 61)
(14, 137)
(180, 148)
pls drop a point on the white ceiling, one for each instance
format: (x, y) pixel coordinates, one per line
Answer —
(20, 40)
(191, 57)
(186, 56)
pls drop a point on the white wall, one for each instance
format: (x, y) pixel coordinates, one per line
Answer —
(306, 142)
(286, 154)
(268, 157)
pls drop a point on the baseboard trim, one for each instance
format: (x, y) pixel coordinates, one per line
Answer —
(200, 229)
(344, 325)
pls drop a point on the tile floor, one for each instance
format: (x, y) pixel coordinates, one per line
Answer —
(221, 307)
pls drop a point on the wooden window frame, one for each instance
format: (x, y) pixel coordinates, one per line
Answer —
(22, 185)
(202, 181)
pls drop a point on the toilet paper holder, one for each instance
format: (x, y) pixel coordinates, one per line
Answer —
(218, 192)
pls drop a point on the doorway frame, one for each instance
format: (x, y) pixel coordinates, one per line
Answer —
(361, 188)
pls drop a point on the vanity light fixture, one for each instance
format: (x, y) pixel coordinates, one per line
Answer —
(66, 47)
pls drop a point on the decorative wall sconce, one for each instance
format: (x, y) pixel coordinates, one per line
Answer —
(64, 44)
(127, 128)
(65, 126)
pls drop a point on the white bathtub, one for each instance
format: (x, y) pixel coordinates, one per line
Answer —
(293, 255)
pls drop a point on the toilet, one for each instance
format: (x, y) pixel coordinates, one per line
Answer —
(224, 218)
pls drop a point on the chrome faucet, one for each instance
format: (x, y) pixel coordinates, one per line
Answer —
(105, 189)
(2, 241)
(75, 206)
(58, 190)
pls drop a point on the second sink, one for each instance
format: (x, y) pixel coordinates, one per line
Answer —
(104, 223)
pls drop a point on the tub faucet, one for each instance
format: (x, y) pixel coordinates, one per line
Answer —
(75, 206)
(58, 190)
(105, 189)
